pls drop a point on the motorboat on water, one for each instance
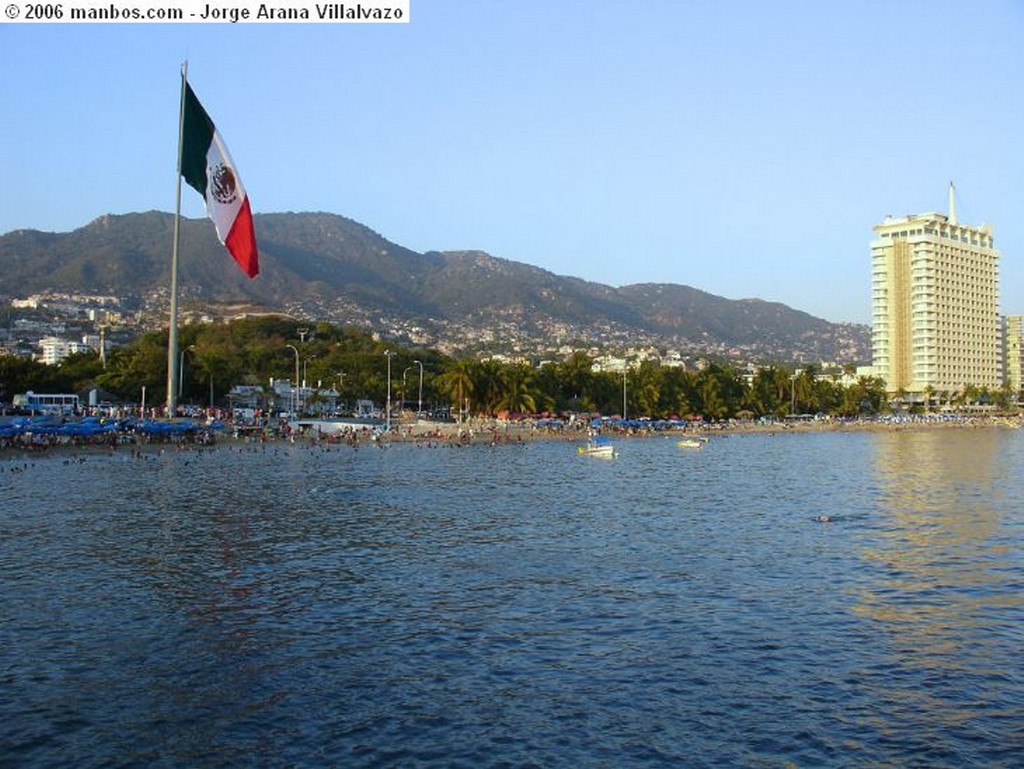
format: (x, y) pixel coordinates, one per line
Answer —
(597, 447)
(690, 443)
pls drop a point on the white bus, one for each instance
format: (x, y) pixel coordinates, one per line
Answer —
(45, 403)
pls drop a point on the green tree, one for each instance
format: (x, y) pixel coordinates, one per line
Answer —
(140, 364)
(769, 391)
(827, 394)
(79, 370)
(868, 394)
(929, 395)
(678, 388)
(577, 382)
(549, 387)
(518, 393)
(720, 391)
(712, 404)
(805, 391)
(456, 384)
(488, 386)
(645, 386)
(19, 375)
(971, 394)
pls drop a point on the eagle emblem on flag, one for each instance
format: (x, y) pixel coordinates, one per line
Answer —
(222, 184)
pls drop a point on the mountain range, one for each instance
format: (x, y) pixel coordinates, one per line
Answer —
(322, 266)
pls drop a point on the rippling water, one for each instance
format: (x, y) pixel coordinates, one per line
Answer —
(519, 605)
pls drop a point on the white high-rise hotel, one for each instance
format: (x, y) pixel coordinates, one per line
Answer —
(935, 305)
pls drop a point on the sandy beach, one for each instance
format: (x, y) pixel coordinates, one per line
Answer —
(475, 432)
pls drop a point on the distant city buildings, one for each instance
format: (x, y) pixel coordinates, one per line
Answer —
(1013, 335)
(50, 327)
(53, 349)
(935, 305)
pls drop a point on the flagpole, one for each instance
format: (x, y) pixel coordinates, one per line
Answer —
(172, 336)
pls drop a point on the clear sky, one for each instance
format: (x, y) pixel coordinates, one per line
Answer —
(743, 148)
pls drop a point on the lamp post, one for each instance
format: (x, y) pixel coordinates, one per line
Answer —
(387, 405)
(181, 369)
(295, 384)
(624, 370)
(305, 366)
(419, 400)
(404, 372)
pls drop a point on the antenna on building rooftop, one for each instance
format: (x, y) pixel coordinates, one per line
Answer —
(952, 205)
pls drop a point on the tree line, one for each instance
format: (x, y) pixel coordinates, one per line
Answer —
(214, 358)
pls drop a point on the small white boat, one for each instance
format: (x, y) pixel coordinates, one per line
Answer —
(597, 447)
(690, 443)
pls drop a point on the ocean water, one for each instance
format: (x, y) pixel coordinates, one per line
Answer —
(519, 605)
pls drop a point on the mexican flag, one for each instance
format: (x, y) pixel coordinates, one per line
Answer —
(207, 166)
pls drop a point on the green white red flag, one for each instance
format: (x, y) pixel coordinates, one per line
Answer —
(207, 167)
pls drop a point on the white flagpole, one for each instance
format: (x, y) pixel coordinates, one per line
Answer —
(172, 336)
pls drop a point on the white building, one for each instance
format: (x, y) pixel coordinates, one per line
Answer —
(935, 304)
(1014, 353)
(53, 349)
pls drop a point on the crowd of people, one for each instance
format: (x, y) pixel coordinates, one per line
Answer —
(38, 435)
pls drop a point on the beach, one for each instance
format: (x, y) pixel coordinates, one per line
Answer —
(477, 431)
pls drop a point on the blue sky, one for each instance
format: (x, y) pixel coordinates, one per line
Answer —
(743, 148)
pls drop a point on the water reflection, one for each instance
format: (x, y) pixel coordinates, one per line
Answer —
(942, 585)
(941, 549)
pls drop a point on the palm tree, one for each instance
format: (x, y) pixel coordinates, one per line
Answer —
(577, 377)
(646, 388)
(929, 393)
(604, 393)
(1006, 397)
(769, 392)
(711, 402)
(548, 384)
(863, 396)
(971, 394)
(805, 396)
(829, 394)
(487, 386)
(518, 393)
(457, 382)
(945, 396)
(676, 386)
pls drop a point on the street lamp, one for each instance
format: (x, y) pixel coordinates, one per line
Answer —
(305, 365)
(419, 401)
(181, 369)
(387, 405)
(624, 370)
(295, 384)
(406, 371)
